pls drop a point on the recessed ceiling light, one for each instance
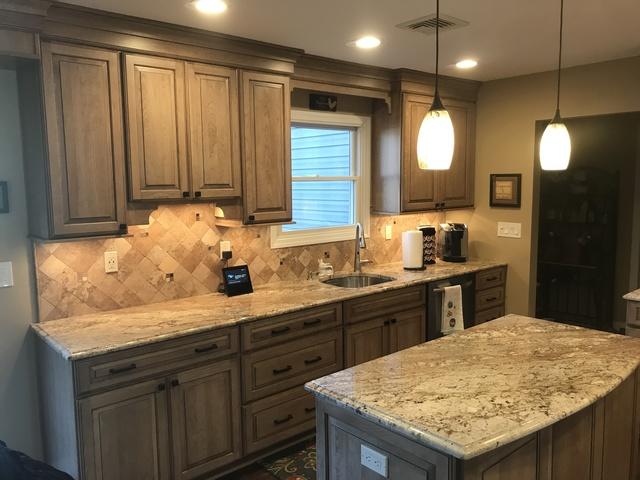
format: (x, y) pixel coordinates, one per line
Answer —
(210, 6)
(366, 42)
(466, 63)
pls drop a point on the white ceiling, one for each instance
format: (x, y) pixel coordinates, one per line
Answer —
(507, 37)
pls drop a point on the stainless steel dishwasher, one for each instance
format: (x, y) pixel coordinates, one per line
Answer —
(434, 302)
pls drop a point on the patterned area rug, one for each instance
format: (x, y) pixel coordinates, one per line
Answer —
(297, 464)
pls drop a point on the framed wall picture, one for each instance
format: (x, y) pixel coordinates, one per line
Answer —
(4, 197)
(505, 190)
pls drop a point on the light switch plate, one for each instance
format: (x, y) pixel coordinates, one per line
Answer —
(6, 274)
(388, 231)
(509, 230)
(225, 246)
(375, 461)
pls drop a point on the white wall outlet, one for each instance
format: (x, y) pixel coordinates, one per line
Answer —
(6, 274)
(110, 262)
(388, 231)
(225, 246)
(375, 461)
(509, 230)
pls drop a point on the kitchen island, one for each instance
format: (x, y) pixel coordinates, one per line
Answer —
(515, 398)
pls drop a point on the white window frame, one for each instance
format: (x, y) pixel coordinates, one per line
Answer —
(361, 157)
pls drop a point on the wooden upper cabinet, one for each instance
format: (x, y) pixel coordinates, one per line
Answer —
(206, 416)
(455, 186)
(267, 148)
(214, 131)
(418, 186)
(85, 140)
(124, 433)
(156, 123)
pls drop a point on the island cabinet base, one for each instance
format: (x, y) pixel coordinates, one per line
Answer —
(599, 442)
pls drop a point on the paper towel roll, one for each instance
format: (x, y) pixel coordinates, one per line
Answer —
(412, 249)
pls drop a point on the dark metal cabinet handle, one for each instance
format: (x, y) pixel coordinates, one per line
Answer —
(278, 371)
(252, 218)
(198, 194)
(280, 330)
(310, 409)
(311, 323)
(491, 299)
(280, 421)
(311, 361)
(387, 322)
(210, 348)
(491, 279)
(175, 382)
(162, 387)
(393, 320)
(128, 368)
(185, 194)
(123, 227)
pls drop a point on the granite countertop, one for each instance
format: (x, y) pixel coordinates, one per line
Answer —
(633, 296)
(94, 334)
(473, 391)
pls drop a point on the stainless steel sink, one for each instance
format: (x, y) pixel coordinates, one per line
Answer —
(357, 280)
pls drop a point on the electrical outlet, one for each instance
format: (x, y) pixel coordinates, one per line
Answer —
(509, 230)
(388, 232)
(225, 246)
(110, 262)
(375, 461)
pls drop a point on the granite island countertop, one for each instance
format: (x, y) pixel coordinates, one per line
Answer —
(95, 334)
(633, 296)
(473, 391)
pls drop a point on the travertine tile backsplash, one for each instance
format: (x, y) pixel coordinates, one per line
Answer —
(184, 240)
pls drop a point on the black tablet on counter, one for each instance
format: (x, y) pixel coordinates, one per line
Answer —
(237, 280)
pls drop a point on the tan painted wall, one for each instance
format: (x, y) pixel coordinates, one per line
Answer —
(19, 419)
(507, 112)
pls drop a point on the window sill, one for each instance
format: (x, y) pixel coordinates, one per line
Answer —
(280, 239)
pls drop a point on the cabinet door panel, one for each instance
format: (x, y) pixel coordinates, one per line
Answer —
(124, 434)
(366, 341)
(267, 148)
(455, 186)
(205, 413)
(85, 137)
(407, 329)
(214, 131)
(418, 186)
(156, 125)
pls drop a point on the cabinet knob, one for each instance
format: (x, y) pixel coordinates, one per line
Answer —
(387, 322)
(393, 320)
(123, 227)
(175, 382)
(198, 194)
(162, 387)
(185, 194)
(252, 218)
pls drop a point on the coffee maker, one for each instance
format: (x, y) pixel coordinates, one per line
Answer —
(453, 242)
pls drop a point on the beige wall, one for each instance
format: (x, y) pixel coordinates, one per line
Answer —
(19, 419)
(507, 112)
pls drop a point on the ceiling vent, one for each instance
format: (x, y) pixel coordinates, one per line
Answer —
(427, 25)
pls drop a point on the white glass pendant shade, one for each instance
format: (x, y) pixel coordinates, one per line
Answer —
(555, 147)
(435, 141)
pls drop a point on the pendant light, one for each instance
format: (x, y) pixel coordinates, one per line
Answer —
(555, 145)
(435, 138)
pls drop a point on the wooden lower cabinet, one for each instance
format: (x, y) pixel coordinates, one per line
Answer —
(190, 420)
(125, 433)
(205, 420)
(381, 336)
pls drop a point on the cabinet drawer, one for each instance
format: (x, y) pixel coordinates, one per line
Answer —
(119, 367)
(277, 418)
(275, 330)
(275, 369)
(380, 304)
(491, 278)
(490, 314)
(492, 297)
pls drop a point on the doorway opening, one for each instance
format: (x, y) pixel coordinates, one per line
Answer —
(588, 224)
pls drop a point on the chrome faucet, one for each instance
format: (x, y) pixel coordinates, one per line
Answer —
(360, 244)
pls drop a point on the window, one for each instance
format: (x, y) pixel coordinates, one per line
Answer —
(330, 170)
